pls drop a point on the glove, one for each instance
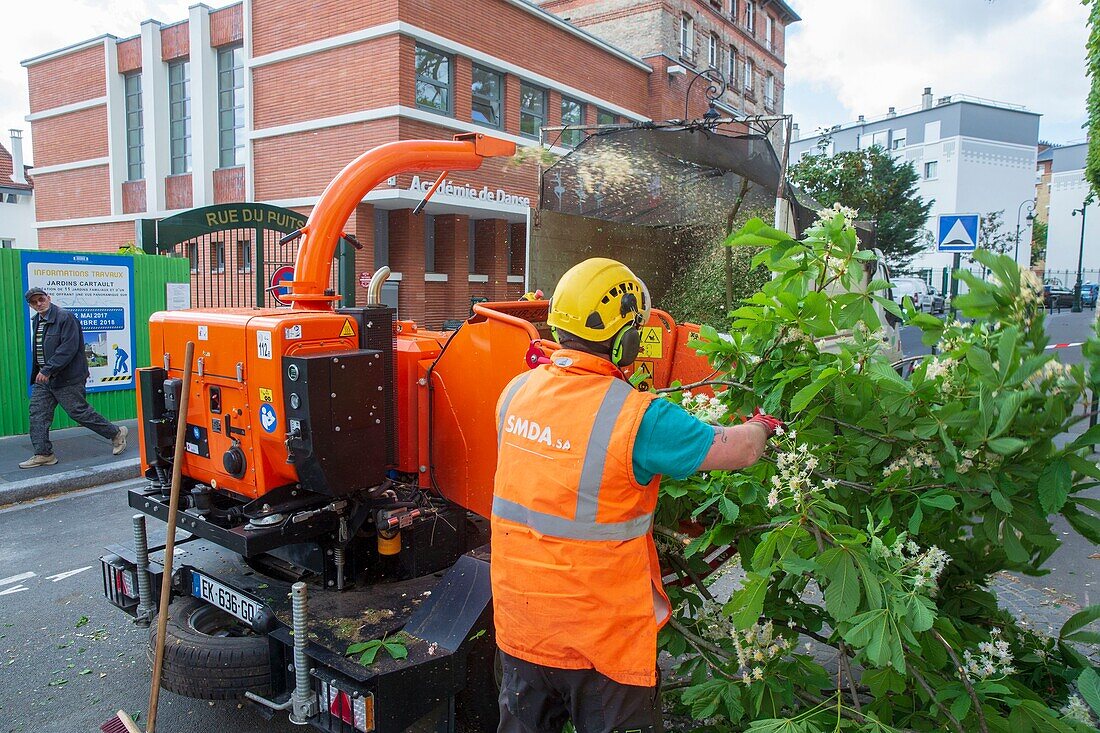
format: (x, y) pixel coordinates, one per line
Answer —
(771, 424)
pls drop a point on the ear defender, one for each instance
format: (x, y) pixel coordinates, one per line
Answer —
(554, 333)
(626, 345)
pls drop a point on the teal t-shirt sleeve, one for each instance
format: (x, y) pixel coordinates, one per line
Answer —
(670, 442)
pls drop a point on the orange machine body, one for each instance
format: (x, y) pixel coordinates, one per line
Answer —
(240, 353)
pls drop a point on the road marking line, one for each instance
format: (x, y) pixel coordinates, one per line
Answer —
(69, 574)
(17, 578)
(14, 589)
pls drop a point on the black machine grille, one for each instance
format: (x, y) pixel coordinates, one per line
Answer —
(376, 332)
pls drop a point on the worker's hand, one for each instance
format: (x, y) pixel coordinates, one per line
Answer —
(772, 425)
(41, 378)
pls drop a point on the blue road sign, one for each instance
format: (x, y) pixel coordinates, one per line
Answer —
(957, 232)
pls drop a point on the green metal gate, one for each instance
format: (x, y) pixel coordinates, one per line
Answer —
(235, 251)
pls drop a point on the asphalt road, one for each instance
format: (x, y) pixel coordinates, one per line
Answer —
(68, 659)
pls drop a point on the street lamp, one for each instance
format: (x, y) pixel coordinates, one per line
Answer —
(716, 85)
(1030, 218)
(1080, 259)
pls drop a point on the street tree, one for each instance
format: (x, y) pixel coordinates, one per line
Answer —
(880, 188)
(1038, 242)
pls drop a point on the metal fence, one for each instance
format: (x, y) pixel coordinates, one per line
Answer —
(151, 274)
(940, 278)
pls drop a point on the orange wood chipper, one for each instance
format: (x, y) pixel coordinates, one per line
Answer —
(337, 482)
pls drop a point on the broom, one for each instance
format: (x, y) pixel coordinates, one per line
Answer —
(121, 722)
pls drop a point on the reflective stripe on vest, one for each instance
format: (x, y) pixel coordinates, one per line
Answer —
(583, 526)
(519, 382)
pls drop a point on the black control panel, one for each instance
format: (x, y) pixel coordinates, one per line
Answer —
(335, 407)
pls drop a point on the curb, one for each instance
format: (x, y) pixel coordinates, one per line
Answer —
(75, 480)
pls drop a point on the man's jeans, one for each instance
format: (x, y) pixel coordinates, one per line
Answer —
(44, 400)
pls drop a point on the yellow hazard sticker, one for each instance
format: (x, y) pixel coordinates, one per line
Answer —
(347, 330)
(266, 395)
(643, 368)
(652, 343)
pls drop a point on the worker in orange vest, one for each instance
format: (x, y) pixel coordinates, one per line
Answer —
(577, 592)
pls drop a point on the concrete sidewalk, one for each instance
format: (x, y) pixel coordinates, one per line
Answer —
(84, 460)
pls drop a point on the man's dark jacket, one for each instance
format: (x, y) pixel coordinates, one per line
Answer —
(63, 348)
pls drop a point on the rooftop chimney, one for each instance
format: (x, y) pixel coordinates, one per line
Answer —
(795, 133)
(891, 112)
(861, 119)
(926, 98)
(18, 174)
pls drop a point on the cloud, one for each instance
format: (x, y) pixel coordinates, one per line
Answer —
(875, 54)
(42, 26)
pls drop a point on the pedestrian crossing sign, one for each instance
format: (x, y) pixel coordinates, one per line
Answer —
(958, 232)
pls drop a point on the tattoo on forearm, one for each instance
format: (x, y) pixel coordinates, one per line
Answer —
(720, 434)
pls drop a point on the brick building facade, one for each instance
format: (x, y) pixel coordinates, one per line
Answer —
(259, 101)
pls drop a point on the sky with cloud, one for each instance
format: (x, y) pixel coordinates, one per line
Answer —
(846, 57)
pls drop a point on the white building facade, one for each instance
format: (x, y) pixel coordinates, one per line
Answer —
(17, 221)
(1068, 190)
(971, 157)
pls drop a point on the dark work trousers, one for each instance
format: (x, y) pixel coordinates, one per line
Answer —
(44, 400)
(538, 699)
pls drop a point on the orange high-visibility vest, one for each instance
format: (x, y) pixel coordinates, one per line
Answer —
(576, 580)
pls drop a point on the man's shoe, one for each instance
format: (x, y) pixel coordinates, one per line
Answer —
(119, 441)
(36, 460)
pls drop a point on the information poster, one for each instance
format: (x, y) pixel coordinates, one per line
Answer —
(99, 291)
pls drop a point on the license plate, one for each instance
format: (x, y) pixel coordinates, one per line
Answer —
(225, 598)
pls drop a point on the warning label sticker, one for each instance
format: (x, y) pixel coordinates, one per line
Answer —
(652, 343)
(347, 330)
(266, 395)
(644, 368)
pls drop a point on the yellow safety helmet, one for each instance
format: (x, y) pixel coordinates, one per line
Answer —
(598, 300)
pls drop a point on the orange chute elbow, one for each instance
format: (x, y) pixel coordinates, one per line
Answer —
(326, 222)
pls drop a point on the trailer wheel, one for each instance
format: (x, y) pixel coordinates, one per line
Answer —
(209, 654)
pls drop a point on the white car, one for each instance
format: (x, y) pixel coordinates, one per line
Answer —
(915, 288)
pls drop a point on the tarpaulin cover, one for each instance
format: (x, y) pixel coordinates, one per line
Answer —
(685, 177)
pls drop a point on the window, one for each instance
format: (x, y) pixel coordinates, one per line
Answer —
(747, 74)
(931, 169)
(750, 16)
(231, 106)
(687, 37)
(244, 256)
(193, 256)
(433, 80)
(572, 113)
(606, 118)
(881, 139)
(713, 54)
(486, 90)
(532, 109)
(7, 243)
(179, 115)
(899, 140)
(733, 10)
(769, 30)
(769, 91)
(217, 258)
(135, 132)
(731, 72)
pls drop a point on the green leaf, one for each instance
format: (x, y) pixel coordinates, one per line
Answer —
(706, 698)
(369, 655)
(842, 593)
(938, 501)
(361, 647)
(807, 393)
(876, 633)
(1088, 684)
(1032, 716)
(978, 358)
(1055, 483)
(765, 551)
(396, 649)
(756, 233)
(747, 603)
(1014, 549)
(1006, 446)
(1079, 620)
(1082, 466)
(920, 612)
(1087, 525)
(1089, 437)
(730, 511)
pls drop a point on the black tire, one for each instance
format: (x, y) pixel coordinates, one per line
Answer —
(209, 654)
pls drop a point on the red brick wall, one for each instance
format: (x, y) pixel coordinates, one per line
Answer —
(303, 163)
(452, 257)
(407, 257)
(129, 55)
(178, 192)
(175, 41)
(67, 79)
(491, 256)
(72, 194)
(363, 230)
(227, 26)
(360, 77)
(133, 196)
(71, 137)
(88, 237)
(278, 24)
(228, 185)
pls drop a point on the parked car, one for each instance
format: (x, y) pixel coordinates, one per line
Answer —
(915, 288)
(1056, 295)
(937, 303)
(1089, 293)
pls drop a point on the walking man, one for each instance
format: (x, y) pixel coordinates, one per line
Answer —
(577, 593)
(59, 371)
